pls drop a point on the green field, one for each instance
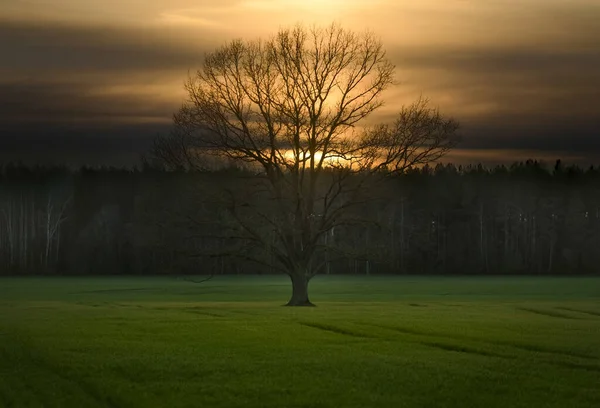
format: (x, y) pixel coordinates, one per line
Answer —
(371, 342)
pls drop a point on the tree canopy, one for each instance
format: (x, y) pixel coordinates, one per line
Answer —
(293, 110)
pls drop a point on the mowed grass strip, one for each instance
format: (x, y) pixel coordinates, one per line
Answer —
(371, 342)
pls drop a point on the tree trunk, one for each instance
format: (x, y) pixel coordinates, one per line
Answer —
(299, 291)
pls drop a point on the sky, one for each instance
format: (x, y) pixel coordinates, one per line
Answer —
(93, 82)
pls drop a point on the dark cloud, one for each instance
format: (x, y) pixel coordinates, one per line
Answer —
(64, 122)
(568, 137)
(38, 48)
(534, 98)
(514, 79)
(53, 101)
(63, 101)
(497, 61)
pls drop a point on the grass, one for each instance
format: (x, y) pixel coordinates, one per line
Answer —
(371, 342)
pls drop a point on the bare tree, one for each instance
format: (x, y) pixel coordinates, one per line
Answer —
(54, 217)
(289, 108)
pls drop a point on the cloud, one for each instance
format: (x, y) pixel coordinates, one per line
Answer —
(72, 102)
(87, 94)
(53, 48)
(517, 75)
(509, 97)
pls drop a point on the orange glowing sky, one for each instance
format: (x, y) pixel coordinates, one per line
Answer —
(89, 78)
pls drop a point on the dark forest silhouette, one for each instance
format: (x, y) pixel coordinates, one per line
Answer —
(521, 219)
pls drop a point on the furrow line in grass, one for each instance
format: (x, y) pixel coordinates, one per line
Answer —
(44, 364)
(521, 346)
(587, 312)
(227, 312)
(475, 351)
(113, 290)
(464, 349)
(84, 386)
(440, 345)
(548, 313)
(403, 330)
(202, 313)
(334, 329)
(587, 367)
(538, 349)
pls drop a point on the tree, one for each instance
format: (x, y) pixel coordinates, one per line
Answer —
(289, 109)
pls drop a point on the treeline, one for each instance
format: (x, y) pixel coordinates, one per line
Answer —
(521, 219)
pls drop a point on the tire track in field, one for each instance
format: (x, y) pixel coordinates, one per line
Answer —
(549, 313)
(335, 329)
(27, 352)
(438, 344)
(464, 349)
(82, 385)
(472, 350)
(541, 349)
(116, 290)
(222, 312)
(587, 312)
(198, 312)
(587, 367)
(201, 311)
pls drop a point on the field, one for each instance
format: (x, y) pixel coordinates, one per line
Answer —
(371, 342)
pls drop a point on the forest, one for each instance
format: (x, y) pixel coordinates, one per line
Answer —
(526, 218)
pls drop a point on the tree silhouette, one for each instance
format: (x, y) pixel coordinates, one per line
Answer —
(289, 109)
